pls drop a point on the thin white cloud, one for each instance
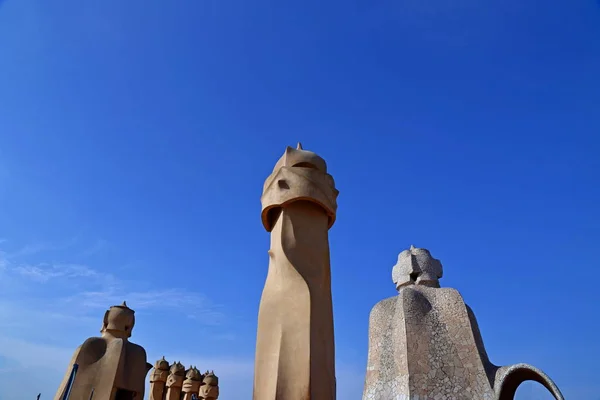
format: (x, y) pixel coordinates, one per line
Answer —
(90, 289)
(44, 272)
(195, 306)
(34, 355)
(42, 247)
(44, 319)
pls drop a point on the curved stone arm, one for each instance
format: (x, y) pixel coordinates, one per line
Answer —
(509, 378)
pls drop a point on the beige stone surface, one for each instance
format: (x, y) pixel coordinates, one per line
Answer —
(191, 384)
(174, 382)
(295, 356)
(110, 365)
(158, 379)
(210, 386)
(425, 343)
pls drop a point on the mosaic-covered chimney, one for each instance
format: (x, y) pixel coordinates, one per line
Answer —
(425, 343)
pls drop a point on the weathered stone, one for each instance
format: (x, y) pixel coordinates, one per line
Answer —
(427, 339)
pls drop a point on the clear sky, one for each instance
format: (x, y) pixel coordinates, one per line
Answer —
(135, 137)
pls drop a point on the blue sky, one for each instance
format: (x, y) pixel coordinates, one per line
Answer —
(135, 137)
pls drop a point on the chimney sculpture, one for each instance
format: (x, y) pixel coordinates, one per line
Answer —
(158, 379)
(175, 381)
(295, 357)
(210, 386)
(191, 384)
(425, 343)
(109, 366)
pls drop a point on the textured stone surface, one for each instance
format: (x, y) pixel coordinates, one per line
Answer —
(109, 364)
(158, 379)
(209, 390)
(416, 266)
(295, 358)
(425, 343)
(191, 384)
(174, 382)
